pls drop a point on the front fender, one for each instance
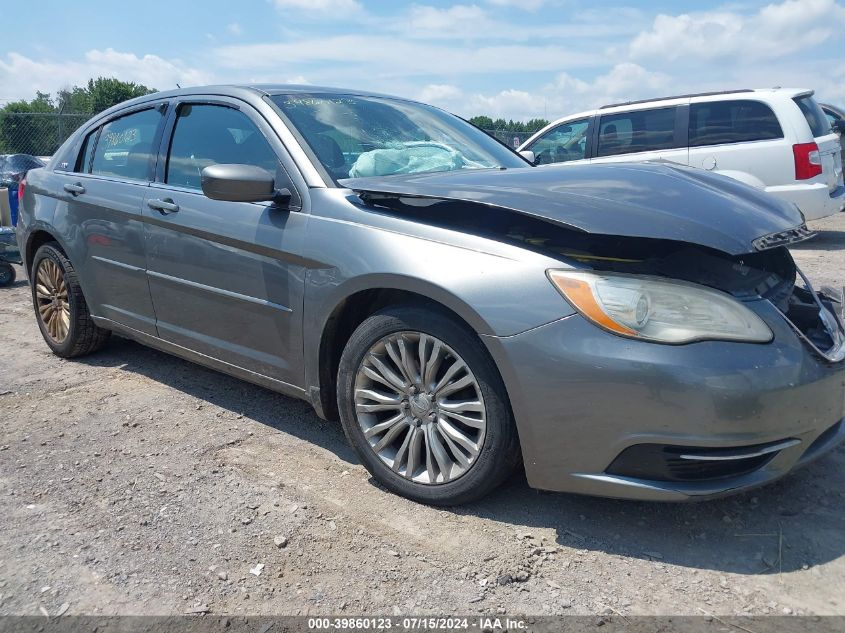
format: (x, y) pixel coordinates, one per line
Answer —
(498, 289)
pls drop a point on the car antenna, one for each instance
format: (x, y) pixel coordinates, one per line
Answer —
(178, 86)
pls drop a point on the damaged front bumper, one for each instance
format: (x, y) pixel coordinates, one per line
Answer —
(819, 319)
(602, 415)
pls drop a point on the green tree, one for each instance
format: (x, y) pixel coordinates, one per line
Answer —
(39, 126)
(104, 92)
(27, 126)
(74, 100)
(484, 122)
(535, 124)
(511, 126)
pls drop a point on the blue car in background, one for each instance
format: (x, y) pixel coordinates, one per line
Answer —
(13, 168)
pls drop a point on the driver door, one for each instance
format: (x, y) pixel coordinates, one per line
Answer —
(225, 277)
(564, 143)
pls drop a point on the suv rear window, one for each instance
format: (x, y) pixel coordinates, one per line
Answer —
(739, 121)
(638, 131)
(813, 114)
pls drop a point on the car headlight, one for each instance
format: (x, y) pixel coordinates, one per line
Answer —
(657, 309)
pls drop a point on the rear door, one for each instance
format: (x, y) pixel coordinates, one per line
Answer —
(741, 138)
(225, 277)
(824, 136)
(104, 197)
(641, 135)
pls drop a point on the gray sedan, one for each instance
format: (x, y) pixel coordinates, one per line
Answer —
(635, 330)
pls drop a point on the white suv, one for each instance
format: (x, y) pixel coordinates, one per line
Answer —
(778, 140)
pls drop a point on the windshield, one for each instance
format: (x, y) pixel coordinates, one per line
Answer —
(358, 136)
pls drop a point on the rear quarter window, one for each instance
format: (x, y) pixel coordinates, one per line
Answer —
(638, 131)
(738, 121)
(813, 114)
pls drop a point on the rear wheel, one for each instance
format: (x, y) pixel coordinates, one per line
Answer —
(424, 406)
(60, 307)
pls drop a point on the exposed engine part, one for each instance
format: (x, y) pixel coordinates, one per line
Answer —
(769, 274)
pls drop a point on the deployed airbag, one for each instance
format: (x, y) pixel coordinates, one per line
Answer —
(410, 158)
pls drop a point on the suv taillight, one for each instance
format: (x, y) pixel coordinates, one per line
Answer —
(808, 161)
(21, 188)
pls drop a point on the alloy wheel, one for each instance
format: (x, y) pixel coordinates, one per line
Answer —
(420, 407)
(52, 300)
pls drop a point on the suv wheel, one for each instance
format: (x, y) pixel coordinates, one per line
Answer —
(60, 307)
(425, 407)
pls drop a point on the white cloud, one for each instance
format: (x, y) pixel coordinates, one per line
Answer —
(439, 93)
(388, 56)
(424, 19)
(319, 6)
(470, 22)
(563, 96)
(22, 76)
(528, 5)
(776, 30)
(235, 29)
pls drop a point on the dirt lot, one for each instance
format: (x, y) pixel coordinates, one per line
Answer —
(132, 482)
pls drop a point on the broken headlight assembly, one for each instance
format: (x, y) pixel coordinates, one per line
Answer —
(657, 309)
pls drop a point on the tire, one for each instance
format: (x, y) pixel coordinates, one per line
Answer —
(421, 411)
(56, 290)
(7, 275)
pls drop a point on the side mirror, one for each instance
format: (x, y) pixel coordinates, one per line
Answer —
(239, 183)
(528, 155)
(838, 126)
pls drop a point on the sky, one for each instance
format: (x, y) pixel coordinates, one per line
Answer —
(516, 59)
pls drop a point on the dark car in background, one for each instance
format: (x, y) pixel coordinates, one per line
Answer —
(836, 118)
(13, 167)
(629, 330)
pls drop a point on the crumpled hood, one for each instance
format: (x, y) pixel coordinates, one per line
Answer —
(650, 200)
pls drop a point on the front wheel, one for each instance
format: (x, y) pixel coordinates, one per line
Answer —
(425, 408)
(60, 307)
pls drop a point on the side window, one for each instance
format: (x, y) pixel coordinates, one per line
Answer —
(83, 163)
(125, 146)
(563, 143)
(738, 121)
(638, 131)
(209, 134)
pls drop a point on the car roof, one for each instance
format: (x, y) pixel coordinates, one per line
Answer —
(836, 109)
(246, 92)
(643, 104)
(788, 92)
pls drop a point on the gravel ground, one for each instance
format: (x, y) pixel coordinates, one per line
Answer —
(132, 482)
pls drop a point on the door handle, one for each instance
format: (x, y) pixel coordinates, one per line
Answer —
(163, 206)
(74, 189)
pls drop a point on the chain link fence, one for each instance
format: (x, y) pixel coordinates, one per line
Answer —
(41, 133)
(37, 133)
(511, 139)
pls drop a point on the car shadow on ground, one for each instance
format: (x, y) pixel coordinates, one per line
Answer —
(792, 524)
(823, 241)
